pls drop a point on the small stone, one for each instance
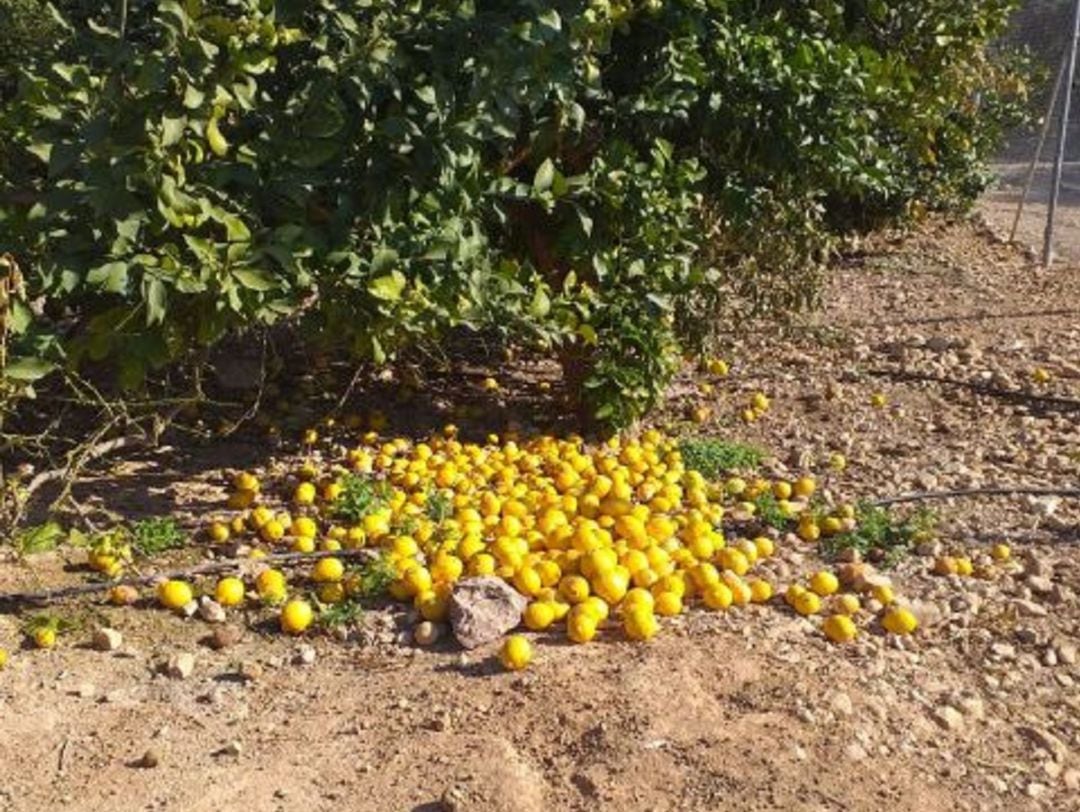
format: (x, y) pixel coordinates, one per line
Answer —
(1039, 584)
(1049, 658)
(1071, 779)
(211, 611)
(106, 639)
(841, 704)
(180, 665)
(225, 636)
(305, 655)
(189, 609)
(948, 717)
(1066, 653)
(233, 749)
(85, 690)
(1003, 651)
(1030, 608)
(426, 633)
(1035, 790)
(250, 671)
(972, 706)
(149, 760)
(454, 799)
(855, 752)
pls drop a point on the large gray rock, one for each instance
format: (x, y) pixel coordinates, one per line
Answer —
(483, 610)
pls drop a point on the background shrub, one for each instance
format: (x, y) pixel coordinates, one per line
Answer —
(607, 180)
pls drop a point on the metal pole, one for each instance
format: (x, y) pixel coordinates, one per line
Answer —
(1059, 158)
(1038, 150)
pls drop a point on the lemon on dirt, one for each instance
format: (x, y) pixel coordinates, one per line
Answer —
(218, 532)
(296, 616)
(1000, 552)
(328, 570)
(175, 594)
(899, 620)
(123, 595)
(807, 603)
(229, 591)
(581, 625)
(839, 628)
(305, 493)
(824, 583)
(271, 585)
(846, 604)
(45, 637)
(639, 623)
(516, 653)
(539, 615)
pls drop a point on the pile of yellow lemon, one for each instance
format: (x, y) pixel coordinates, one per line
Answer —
(620, 534)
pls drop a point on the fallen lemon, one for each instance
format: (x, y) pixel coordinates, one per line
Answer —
(229, 591)
(296, 616)
(175, 595)
(839, 628)
(516, 653)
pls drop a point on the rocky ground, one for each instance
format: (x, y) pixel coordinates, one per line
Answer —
(746, 710)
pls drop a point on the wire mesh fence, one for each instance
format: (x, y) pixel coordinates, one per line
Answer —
(1020, 199)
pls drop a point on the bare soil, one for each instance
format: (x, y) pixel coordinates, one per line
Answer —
(749, 710)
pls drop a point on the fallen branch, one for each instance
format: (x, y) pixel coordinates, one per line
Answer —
(996, 491)
(16, 599)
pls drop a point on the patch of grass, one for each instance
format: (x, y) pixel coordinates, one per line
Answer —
(359, 496)
(440, 506)
(339, 614)
(150, 537)
(881, 536)
(768, 511)
(371, 582)
(38, 539)
(375, 579)
(712, 457)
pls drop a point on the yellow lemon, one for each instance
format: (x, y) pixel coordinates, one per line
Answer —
(229, 591)
(516, 653)
(539, 615)
(839, 628)
(175, 595)
(639, 623)
(899, 620)
(296, 616)
(824, 583)
(668, 604)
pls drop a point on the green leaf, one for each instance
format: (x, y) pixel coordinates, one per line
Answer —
(388, 287)
(550, 19)
(545, 176)
(111, 277)
(172, 130)
(541, 304)
(38, 539)
(254, 279)
(27, 369)
(193, 98)
(154, 294)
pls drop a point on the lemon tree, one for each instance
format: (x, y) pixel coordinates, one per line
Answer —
(599, 179)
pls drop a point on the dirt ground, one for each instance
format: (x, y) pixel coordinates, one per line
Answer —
(746, 710)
